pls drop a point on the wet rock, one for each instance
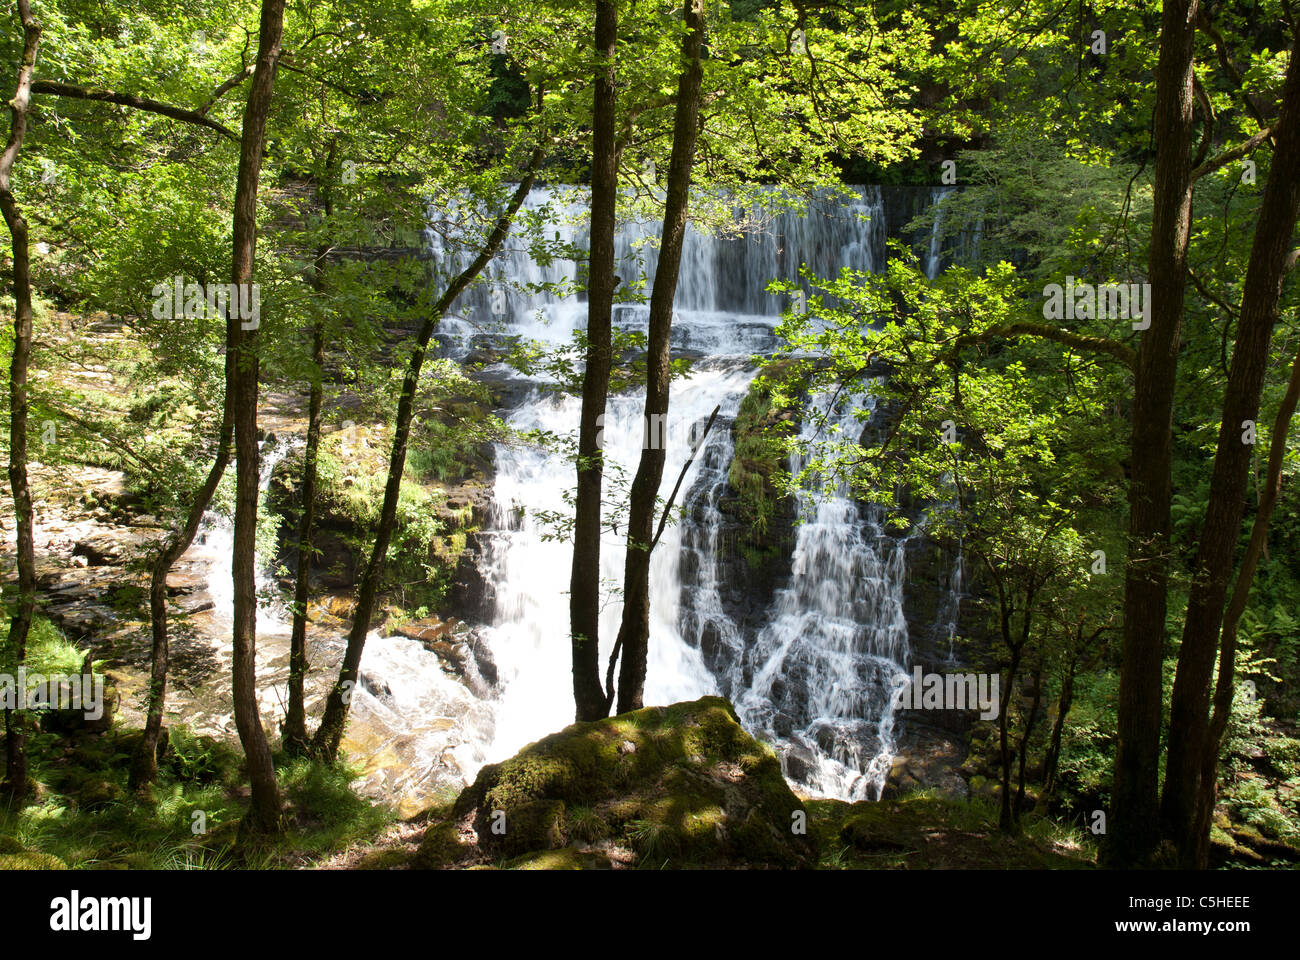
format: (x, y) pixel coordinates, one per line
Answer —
(101, 550)
(798, 763)
(461, 650)
(928, 759)
(374, 686)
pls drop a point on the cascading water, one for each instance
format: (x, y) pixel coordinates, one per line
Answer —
(825, 667)
(817, 676)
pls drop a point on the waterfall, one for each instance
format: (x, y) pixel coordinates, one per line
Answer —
(529, 562)
(825, 666)
(214, 546)
(815, 676)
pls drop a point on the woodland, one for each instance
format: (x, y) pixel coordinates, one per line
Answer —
(340, 529)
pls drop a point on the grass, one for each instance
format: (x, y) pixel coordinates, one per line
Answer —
(84, 816)
(924, 831)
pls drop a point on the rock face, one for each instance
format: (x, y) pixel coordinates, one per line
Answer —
(681, 785)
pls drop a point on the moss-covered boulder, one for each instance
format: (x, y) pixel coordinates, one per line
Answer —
(682, 785)
(14, 856)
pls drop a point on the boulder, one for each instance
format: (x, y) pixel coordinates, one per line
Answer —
(682, 785)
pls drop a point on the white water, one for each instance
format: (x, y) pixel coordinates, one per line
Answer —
(816, 676)
(529, 637)
(827, 663)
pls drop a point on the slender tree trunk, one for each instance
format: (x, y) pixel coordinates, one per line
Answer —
(264, 813)
(584, 583)
(1052, 758)
(1030, 723)
(1005, 820)
(1225, 686)
(1134, 820)
(634, 631)
(1189, 709)
(330, 733)
(144, 765)
(15, 783)
(294, 734)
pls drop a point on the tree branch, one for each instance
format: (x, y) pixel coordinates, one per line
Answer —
(1121, 352)
(1236, 153)
(56, 89)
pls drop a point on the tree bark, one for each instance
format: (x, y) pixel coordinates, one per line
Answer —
(1189, 710)
(73, 92)
(1225, 686)
(294, 733)
(1023, 749)
(1134, 820)
(1052, 759)
(330, 732)
(15, 783)
(264, 812)
(634, 631)
(144, 765)
(584, 581)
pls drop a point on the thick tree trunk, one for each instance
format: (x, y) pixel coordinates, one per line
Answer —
(15, 782)
(264, 812)
(584, 581)
(1189, 709)
(1225, 686)
(1134, 821)
(144, 765)
(634, 631)
(330, 733)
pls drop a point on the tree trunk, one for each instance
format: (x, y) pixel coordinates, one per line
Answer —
(330, 733)
(634, 631)
(1005, 820)
(1224, 688)
(1052, 758)
(264, 812)
(15, 783)
(1030, 723)
(1189, 708)
(144, 765)
(294, 737)
(584, 582)
(1134, 821)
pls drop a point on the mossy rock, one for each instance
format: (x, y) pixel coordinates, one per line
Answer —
(683, 785)
(30, 860)
(565, 859)
(383, 860)
(442, 847)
